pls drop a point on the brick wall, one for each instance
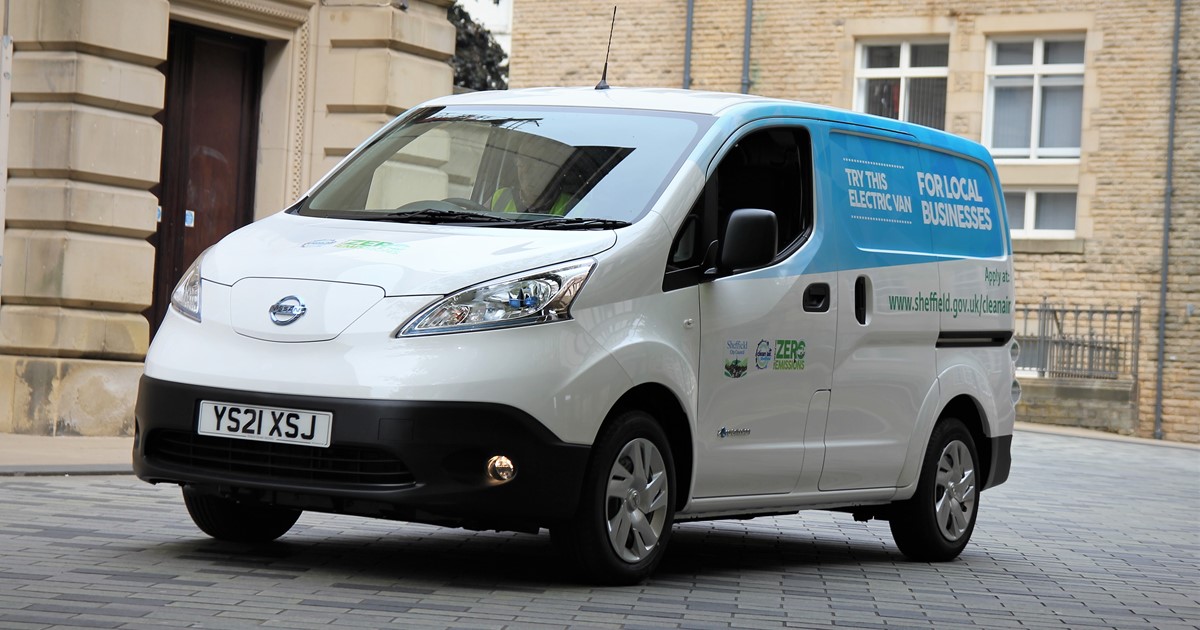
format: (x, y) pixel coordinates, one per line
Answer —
(565, 43)
(805, 51)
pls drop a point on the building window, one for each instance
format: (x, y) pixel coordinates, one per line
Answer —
(905, 81)
(1035, 97)
(1041, 213)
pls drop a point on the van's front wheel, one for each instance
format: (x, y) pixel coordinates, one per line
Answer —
(621, 529)
(936, 523)
(225, 519)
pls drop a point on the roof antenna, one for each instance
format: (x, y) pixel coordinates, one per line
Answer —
(603, 84)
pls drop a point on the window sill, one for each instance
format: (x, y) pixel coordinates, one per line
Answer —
(1047, 245)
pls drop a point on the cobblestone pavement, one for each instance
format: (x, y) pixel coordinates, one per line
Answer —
(1085, 534)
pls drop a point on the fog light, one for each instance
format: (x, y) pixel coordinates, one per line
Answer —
(501, 468)
(1016, 392)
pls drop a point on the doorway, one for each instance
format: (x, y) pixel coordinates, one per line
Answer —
(209, 147)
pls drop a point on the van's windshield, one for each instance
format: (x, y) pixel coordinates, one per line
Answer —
(537, 168)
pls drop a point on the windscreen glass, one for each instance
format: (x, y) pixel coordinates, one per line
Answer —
(512, 167)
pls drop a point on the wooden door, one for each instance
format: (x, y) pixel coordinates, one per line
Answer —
(210, 138)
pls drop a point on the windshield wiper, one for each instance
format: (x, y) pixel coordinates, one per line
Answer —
(572, 223)
(441, 215)
(426, 215)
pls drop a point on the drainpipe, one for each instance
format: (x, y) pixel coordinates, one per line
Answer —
(687, 45)
(6, 58)
(746, 48)
(1166, 239)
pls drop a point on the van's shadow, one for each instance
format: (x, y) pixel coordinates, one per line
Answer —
(422, 555)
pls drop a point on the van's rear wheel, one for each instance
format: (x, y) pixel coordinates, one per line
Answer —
(621, 529)
(225, 519)
(936, 523)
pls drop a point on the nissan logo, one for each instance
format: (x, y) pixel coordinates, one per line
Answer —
(287, 310)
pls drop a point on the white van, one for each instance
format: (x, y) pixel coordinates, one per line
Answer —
(602, 312)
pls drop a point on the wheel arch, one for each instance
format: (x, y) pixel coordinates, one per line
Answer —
(968, 411)
(959, 392)
(661, 403)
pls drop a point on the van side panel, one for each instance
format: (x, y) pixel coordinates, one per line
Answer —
(959, 199)
(884, 369)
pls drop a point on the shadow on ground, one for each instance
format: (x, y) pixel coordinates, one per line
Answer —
(505, 561)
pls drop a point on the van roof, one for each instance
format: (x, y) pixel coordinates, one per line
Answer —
(675, 100)
(745, 106)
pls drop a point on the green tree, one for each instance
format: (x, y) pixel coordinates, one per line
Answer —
(479, 62)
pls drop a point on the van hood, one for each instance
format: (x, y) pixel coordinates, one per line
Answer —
(402, 259)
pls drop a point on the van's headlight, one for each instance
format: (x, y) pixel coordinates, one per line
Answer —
(533, 298)
(186, 296)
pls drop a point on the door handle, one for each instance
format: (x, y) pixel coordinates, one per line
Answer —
(816, 298)
(860, 300)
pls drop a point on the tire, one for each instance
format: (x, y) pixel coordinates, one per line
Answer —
(936, 523)
(225, 519)
(626, 509)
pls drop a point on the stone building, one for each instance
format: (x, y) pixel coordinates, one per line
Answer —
(1073, 99)
(140, 132)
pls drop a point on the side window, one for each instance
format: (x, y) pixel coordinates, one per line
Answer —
(770, 169)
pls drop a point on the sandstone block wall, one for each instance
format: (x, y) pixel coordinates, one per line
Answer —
(83, 154)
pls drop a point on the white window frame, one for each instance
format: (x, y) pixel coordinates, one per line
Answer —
(1030, 232)
(1039, 70)
(904, 72)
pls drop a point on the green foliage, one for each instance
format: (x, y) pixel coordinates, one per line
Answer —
(479, 62)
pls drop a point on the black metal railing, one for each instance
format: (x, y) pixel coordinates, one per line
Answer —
(1079, 341)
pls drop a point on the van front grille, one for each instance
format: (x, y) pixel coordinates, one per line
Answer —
(336, 464)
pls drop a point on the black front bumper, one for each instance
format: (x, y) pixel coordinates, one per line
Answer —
(403, 460)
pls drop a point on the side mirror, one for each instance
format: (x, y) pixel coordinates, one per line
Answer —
(750, 239)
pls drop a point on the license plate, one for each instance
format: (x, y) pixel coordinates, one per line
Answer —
(265, 424)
